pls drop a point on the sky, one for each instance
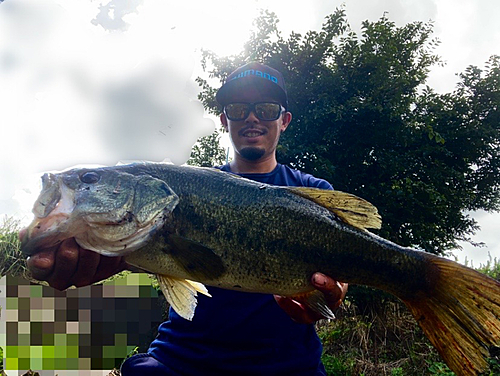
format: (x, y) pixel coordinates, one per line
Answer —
(101, 81)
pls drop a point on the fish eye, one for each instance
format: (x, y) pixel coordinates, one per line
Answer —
(90, 177)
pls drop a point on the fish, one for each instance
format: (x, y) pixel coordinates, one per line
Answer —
(195, 227)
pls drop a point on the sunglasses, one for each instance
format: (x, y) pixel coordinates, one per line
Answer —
(266, 111)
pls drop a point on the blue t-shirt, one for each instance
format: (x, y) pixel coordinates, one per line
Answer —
(238, 333)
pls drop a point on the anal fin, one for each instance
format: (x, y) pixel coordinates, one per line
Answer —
(181, 294)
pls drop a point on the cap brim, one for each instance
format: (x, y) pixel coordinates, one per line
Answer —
(225, 93)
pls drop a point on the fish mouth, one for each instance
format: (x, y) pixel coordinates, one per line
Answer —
(114, 232)
(52, 210)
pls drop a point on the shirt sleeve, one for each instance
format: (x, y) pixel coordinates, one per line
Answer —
(318, 183)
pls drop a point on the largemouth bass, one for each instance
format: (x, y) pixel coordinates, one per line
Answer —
(196, 226)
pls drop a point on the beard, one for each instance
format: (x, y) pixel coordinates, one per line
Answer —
(252, 153)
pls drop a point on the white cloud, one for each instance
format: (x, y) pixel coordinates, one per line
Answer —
(74, 92)
(149, 115)
(488, 234)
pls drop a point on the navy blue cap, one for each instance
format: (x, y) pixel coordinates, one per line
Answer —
(256, 74)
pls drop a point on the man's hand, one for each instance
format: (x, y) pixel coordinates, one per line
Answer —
(69, 264)
(334, 294)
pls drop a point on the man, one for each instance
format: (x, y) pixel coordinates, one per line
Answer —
(232, 333)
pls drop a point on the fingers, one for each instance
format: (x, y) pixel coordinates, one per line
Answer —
(70, 265)
(92, 268)
(65, 265)
(333, 290)
(297, 311)
(55, 265)
(325, 284)
(41, 264)
(22, 233)
(88, 263)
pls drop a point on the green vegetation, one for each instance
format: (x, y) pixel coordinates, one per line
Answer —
(386, 341)
(11, 260)
(491, 268)
(207, 152)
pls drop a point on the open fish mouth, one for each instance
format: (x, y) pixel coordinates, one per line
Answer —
(49, 197)
(52, 210)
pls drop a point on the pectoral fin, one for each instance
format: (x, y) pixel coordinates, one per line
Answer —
(181, 294)
(198, 261)
(351, 209)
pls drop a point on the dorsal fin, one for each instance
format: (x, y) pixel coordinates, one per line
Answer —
(351, 209)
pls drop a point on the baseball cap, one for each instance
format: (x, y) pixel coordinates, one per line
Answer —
(257, 74)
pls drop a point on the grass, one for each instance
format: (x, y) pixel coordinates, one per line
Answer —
(382, 340)
(491, 268)
(12, 262)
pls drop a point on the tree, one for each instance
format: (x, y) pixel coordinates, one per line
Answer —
(365, 121)
(207, 152)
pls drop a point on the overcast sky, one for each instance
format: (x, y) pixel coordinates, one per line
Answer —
(96, 82)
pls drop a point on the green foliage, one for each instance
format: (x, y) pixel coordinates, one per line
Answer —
(494, 364)
(388, 342)
(12, 261)
(336, 366)
(365, 121)
(207, 152)
(134, 351)
(397, 372)
(438, 368)
(491, 268)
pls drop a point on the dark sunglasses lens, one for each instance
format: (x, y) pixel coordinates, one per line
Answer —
(267, 111)
(237, 111)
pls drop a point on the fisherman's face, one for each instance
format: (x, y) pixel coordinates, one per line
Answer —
(254, 139)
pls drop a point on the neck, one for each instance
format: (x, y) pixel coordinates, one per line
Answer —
(240, 165)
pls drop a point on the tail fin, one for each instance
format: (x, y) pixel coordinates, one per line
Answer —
(462, 317)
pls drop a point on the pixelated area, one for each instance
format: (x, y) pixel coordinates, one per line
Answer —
(77, 330)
